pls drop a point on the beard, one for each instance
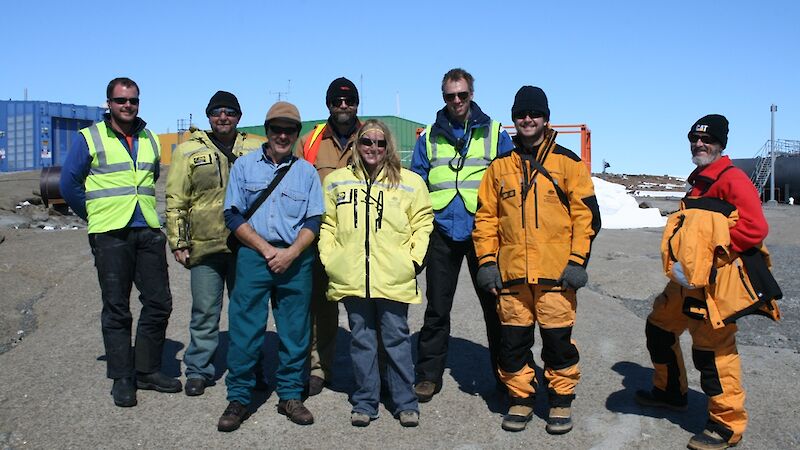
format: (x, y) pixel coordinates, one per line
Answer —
(704, 160)
(343, 118)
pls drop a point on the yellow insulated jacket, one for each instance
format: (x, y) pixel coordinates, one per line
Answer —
(727, 284)
(373, 237)
(196, 183)
(532, 222)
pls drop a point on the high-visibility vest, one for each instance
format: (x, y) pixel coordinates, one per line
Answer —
(311, 147)
(115, 185)
(453, 174)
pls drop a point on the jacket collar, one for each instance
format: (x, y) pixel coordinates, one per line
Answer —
(443, 126)
(710, 173)
(138, 125)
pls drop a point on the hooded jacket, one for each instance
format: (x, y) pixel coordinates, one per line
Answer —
(196, 184)
(373, 238)
(532, 224)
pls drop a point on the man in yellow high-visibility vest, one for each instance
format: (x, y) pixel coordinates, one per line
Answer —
(109, 179)
(451, 156)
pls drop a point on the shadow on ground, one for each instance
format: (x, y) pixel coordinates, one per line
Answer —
(637, 377)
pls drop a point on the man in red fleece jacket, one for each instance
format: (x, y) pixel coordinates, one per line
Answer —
(713, 350)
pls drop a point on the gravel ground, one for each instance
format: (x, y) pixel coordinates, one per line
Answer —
(54, 394)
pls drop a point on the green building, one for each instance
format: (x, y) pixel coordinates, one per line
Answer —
(404, 131)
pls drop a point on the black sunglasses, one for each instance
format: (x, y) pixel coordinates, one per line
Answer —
(282, 130)
(230, 112)
(704, 138)
(349, 101)
(367, 142)
(463, 95)
(528, 113)
(123, 100)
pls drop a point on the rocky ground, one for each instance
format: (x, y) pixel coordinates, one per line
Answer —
(53, 391)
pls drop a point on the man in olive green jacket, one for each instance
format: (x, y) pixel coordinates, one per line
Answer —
(196, 231)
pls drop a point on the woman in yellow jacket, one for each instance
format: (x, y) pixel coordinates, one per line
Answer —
(373, 239)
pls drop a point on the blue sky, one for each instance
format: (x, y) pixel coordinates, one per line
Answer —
(638, 73)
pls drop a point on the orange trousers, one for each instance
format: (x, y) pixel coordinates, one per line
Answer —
(553, 308)
(713, 352)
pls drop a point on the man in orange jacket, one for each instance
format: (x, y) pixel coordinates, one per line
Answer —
(534, 228)
(713, 349)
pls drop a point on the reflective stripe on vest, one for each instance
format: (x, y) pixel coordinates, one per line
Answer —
(115, 185)
(450, 175)
(311, 147)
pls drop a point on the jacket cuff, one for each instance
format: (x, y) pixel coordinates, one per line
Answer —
(489, 258)
(577, 260)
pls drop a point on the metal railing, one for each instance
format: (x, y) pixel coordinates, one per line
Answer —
(762, 171)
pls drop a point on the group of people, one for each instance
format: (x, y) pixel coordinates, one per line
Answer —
(300, 224)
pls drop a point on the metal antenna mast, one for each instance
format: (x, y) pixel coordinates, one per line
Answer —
(282, 94)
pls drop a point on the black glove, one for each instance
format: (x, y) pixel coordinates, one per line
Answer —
(573, 277)
(488, 277)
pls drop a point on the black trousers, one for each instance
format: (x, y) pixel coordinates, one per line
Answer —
(124, 257)
(445, 257)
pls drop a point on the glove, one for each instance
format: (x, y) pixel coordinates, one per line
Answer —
(679, 276)
(573, 277)
(488, 278)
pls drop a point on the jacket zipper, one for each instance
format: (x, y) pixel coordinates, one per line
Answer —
(366, 238)
(219, 171)
(741, 276)
(535, 204)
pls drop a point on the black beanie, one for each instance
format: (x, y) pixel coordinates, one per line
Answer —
(714, 124)
(222, 98)
(530, 98)
(341, 87)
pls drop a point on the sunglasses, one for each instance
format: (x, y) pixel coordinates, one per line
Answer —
(123, 100)
(523, 114)
(282, 130)
(367, 142)
(349, 101)
(452, 96)
(230, 112)
(704, 138)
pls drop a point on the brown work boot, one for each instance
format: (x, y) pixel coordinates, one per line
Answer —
(234, 415)
(425, 391)
(295, 411)
(517, 418)
(559, 420)
(315, 385)
(709, 440)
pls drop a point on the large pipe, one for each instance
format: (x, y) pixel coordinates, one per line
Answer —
(772, 110)
(48, 186)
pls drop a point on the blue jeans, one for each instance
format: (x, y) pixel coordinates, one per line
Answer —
(365, 317)
(208, 279)
(290, 295)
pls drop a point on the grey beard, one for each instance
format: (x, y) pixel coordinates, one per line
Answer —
(701, 161)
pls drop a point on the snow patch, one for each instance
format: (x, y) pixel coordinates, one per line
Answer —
(619, 210)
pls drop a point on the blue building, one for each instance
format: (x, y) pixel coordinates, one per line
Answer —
(36, 134)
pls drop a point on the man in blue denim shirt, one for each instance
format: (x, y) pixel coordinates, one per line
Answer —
(273, 264)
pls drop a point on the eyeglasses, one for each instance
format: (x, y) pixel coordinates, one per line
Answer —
(123, 100)
(452, 96)
(282, 130)
(528, 113)
(367, 142)
(349, 101)
(230, 112)
(704, 138)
